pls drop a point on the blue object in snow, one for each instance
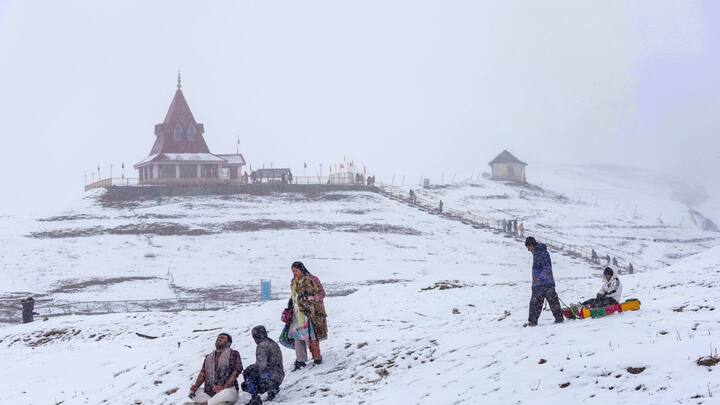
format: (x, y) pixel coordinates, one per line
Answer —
(265, 290)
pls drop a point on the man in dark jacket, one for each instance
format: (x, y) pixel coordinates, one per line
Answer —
(543, 283)
(267, 373)
(28, 306)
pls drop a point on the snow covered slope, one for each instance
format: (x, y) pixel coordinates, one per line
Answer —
(188, 245)
(398, 339)
(641, 217)
(401, 344)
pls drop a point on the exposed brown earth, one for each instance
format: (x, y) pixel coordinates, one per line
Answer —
(175, 229)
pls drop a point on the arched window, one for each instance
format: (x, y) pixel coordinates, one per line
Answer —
(178, 132)
(191, 133)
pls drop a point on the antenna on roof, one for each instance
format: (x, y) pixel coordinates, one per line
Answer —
(179, 85)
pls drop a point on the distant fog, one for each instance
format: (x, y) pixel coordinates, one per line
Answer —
(413, 88)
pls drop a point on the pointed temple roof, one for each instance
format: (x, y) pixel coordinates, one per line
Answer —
(179, 132)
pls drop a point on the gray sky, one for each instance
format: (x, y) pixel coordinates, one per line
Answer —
(404, 87)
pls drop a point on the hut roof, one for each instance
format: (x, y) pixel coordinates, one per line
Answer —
(506, 157)
(272, 173)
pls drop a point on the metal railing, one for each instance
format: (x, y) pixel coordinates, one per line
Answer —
(57, 308)
(113, 181)
(496, 225)
(319, 180)
(300, 180)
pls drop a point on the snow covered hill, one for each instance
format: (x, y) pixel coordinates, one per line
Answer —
(638, 216)
(436, 317)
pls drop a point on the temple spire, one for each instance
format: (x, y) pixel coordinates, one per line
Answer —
(179, 85)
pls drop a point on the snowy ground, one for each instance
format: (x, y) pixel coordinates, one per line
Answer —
(638, 216)
(188, 243)
(389, 343)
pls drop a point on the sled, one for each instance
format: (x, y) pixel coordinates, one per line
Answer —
(582, 312)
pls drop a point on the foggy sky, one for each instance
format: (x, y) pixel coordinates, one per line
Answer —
(404, 87)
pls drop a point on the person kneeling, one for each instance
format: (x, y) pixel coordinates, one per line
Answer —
(267, 373)
(219, 374)
(610, 292)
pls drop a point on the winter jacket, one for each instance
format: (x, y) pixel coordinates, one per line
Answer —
(268, 358)
(542, 275)
(612, 288)
(311, 294)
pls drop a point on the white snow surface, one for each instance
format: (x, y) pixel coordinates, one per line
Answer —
(389, 343)
(639, 216)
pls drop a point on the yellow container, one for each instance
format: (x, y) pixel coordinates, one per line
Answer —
(585, 312)
(630, 305)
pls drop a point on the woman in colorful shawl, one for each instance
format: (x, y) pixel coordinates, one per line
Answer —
(309, 325)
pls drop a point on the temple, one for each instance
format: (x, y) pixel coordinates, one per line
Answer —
(180, 155)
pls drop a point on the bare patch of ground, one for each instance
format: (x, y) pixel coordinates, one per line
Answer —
(75, 286)
(272, 224)
(67, 233)
(154, 216)
(157, 228)
(43, 338)
(73, 217)
(174, 229)
(487, 197)
(355, 211)
(446, 285)
(694, 240)
(228, 293)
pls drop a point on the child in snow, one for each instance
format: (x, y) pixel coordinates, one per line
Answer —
(610, 293)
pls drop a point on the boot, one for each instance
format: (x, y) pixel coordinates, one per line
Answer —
(272, 392)
(298, 365)
(255, 400)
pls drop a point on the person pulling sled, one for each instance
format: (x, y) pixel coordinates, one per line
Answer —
(543, 283)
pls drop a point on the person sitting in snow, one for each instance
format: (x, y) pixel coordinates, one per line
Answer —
(609, 294)
(543, 283)
(267, 373)
(219, 373)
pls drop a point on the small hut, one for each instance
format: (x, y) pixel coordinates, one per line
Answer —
(279, 175)
(506, 167)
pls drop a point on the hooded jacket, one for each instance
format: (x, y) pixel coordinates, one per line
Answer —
(612, 288)
(542, 275)
(268, 356)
